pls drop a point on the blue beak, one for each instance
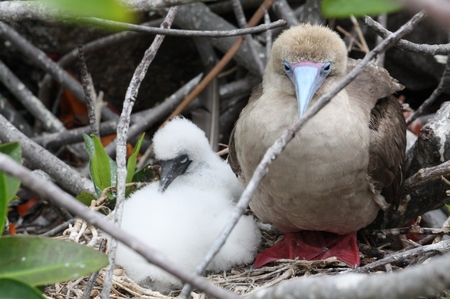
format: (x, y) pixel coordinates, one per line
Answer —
(307, 78)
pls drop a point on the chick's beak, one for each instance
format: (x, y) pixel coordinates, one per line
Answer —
(171, 169)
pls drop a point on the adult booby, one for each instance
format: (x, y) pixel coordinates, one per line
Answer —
(345, 163)
(184, 213)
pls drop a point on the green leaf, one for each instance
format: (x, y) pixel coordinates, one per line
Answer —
(145, 174)
(358, 8)
(38, 260)
(8, 184)
(131, 165)
(104, 9)
(16, 289)
(100, 167)
(14, 151)
(85, 198)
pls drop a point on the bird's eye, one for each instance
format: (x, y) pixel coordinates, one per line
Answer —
(287, 67)
(183, 159)
(326, 69)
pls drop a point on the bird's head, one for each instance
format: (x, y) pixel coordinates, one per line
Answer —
(302, 58)
(180, 147)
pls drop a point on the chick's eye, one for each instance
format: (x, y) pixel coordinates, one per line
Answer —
(287, 67)
(183, 159)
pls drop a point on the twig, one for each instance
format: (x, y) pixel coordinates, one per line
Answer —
(275, 150)
(38, 57)
(33, 105)
(59, 228)
(441, 247)
(364, 48)
(443, 84)
(223, 62)
(89, 92)
(93, 276)
(8, 111)
(284, 11)
(409, 230)
(152, 116)
(351, 37)
(382, 19)
(239, 13)
(425, 176)
(44, 160)
(49, 190)
(122, 133)
(407, 45)
(188, 33)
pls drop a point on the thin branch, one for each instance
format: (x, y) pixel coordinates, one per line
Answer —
(122, 133)
(239, 13)
(89, 92)
(257, 16)
(382, 19)
(58, 228)
(284, 11)
(441, 247)
(38, 57)
(443, 84)
(42, 159)
(187, 33)
(26, 97)
(8, 111)
(49, 190)
(425, 176)
(407, 45)
(268, 36)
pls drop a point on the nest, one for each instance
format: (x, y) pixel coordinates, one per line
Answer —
(240, 279)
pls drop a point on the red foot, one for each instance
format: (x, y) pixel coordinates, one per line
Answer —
(312, 245)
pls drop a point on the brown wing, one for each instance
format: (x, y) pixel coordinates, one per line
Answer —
(232, 157)
(373, 89)
(387, 148)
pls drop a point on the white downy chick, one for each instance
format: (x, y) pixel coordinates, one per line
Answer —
(184, 214)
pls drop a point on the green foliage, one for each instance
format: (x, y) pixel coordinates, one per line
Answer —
(38, 260)
(131, 164)
(345, 8)
(8, 184)
(86, 198)
(145, 174)
(104, 9)
(16, 289)
(102, 168)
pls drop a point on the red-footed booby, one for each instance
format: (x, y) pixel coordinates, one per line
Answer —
(345, 163)
(182, 215)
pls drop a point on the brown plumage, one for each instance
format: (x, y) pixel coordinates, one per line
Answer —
(347, 161)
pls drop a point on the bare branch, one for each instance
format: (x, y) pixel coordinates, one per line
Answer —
(14, 117)
(442, 247)
(121, 141)
(43, 61)
(89, 92)
(49, 190)
(407, 45)
(40, 158)
(239, 13)
(186, 33)
(33, 105)
(425, 176)
(443, 84)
